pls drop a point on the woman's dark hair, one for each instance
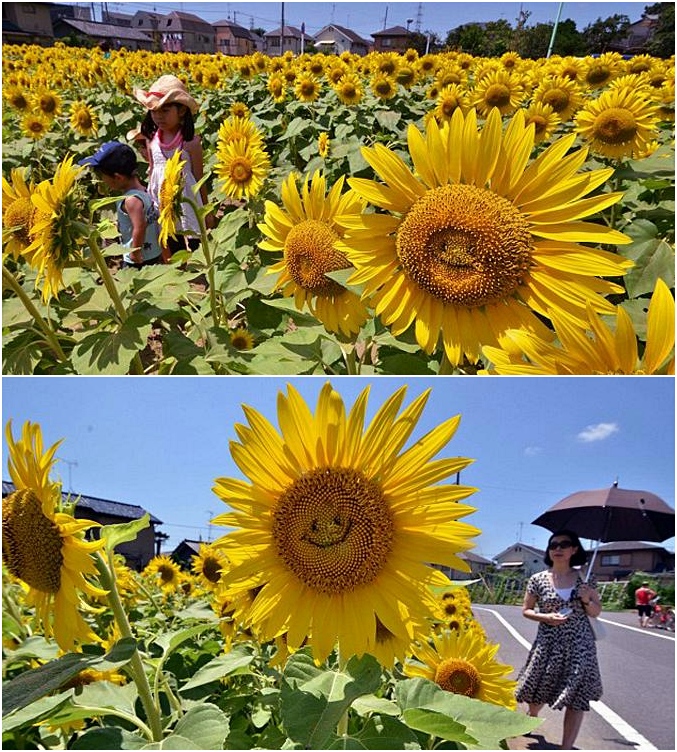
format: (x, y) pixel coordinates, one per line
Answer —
(577, 559)
(148, 127)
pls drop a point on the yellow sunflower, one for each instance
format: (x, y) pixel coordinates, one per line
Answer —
(323, 142)
(35, 126)
(599, 71)
(55, 231)
(165, 572)
(478, 241)
(170, 198)
(561, 93)
(209, 564)
(17, 98)
(305, 232)
(44, 547)
(497, 90)
(241, 167)
(47, 102)
(349, 89)
(84, 119)
(17, 213)
(463, 663)
(383, 86)
(606, 352)
(450, 99)
(277, 87)
(619, 123)
(239, 110)
(544, 118)
(336, 525)
(241, 339)
(239, 129)
(307, 88)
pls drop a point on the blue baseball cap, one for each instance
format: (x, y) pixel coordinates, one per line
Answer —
(113, 156)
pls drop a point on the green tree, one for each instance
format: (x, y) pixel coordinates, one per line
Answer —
(605, 34)
(482, 39)
(427, 40)
(535, 40)
(662, 43)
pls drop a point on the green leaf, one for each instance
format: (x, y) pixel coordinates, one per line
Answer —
(124, 532)
(314, 700)
(110, 737)
(434, 723)
(35, 711)
(295, 128)
(372, 704)
(173, 741)
(169, 641)
(654, 258)
(205, 725)
(37, 682)
(383, 732)
(111, 352)
(219, 667)
(388, 119)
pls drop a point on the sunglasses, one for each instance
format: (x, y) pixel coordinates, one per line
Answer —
(560, 544)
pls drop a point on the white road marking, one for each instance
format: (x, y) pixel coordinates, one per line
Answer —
(613, 719)
(651, 631)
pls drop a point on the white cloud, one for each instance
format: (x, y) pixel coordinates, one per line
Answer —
(598, 432)
(532, 451)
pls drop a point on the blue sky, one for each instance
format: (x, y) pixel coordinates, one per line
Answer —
(366, 18)
(161, 442)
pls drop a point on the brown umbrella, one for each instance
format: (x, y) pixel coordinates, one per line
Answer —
(611, 514)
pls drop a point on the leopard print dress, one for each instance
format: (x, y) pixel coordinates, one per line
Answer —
(561, 669)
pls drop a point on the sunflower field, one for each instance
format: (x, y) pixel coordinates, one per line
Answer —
(315, 622)
(387, 214)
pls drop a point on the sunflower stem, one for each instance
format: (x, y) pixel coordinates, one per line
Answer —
(108, 581)
(9, 279)
(349, 356)
(104, 271)
(208, 258)
(342, 726)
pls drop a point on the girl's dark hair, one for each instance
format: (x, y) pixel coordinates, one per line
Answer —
(148, 127)
(578, 559)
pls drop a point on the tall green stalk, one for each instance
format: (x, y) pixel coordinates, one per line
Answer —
(208, 258)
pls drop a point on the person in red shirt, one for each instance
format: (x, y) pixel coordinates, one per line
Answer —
(643, 596)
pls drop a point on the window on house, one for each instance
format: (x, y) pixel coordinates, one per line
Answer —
(611, 560)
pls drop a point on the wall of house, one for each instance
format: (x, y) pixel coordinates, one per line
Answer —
(30, 17)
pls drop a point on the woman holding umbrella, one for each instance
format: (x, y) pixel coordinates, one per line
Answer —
(561, 669)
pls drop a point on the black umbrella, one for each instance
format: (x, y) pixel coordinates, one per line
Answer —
(611, 514)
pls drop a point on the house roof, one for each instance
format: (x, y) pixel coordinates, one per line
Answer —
(105, 31)
(289, 31)
(101, 506)
(237, 31)
(187, 22)
(193, 545)
(475, 558)
(531, 549)
(631, 546)
(346, 32)
(395, 31)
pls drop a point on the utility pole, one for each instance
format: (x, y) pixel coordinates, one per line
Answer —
(385, 20)
(282, 31)
(554, 30)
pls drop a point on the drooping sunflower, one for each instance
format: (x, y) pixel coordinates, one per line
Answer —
(165, 572)
(619, 123)
(35, 125)
(336, 525)
(497, 90)
(461, 662)
(383, 86)
(84, 119)
(605, 352)
(55, 231)
(170, 197)
(478, 238)
(241, 167)
(209, 564)
(17, 213)
(305, 232)
(43, 546)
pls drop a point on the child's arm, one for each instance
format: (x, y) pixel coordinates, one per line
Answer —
(136, 212)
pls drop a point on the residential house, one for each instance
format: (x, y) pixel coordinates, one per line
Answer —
(137, 552)
(637, 36)
(27, 23)
(184, 552)
(278, 43)
(521, 559)
(478, 567)
(232, 39)
(117, 19)
(617, 561)
(185, 32)
(149, 23)
(103, 35)
(395, 39)
(334, 40)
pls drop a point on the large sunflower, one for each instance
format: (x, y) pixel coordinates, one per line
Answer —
(608, 352)
(620, 123)
(478, 240)
(17, 213)
(55, 231)
(44, 547)
(241, 168)
(170, 199)
(305, 232)
(336, 525)
(462, 662)
(497, 90)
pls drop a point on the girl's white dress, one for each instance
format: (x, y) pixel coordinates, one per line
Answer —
(189, 224)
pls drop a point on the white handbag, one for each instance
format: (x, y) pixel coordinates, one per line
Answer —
(598, 628)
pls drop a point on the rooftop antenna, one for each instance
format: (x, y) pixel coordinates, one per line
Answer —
(519, 532)
(71, 464)
(209, 524)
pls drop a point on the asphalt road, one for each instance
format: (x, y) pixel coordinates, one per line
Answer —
(637, 711)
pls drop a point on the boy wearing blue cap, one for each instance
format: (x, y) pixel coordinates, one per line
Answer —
(115, 163)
